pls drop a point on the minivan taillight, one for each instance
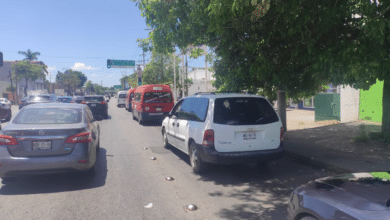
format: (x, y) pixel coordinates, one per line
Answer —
(8, 140)
(208, 138)
(84, 137)
(281, 134)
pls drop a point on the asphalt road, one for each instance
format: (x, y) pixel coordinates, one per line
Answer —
(127, 182)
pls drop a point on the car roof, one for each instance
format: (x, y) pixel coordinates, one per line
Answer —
(55, 105)
(150, 88)
(224, 95)
(94, 96)
(122, 92)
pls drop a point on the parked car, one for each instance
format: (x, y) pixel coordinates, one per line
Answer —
(152, 102)
(121, 98)
(129, 99)
(65, 99)
(350, 196)
(5, 109)
(49, 138)
(97, 104)
(43, 98)
(77, 99)
(224, 129)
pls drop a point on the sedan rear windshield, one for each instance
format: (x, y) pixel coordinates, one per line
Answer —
(94, 99)
(48, 116)
(244, 111)
(153, 97)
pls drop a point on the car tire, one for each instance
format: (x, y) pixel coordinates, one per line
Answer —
(91, 171)
(198, 166)
(9, 118)
(308, 218)
(166, 144)
(98, 144)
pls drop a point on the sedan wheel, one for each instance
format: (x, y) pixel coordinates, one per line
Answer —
(198, 166)
(165, 140)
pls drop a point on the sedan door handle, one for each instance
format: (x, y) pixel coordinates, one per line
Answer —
(177, 124)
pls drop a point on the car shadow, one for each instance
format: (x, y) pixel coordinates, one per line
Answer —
(156, 123)
(58, 182)
(263, 191)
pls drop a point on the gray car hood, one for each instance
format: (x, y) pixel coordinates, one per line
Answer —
(364, 191)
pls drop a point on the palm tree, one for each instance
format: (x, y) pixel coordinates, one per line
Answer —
(30, 55)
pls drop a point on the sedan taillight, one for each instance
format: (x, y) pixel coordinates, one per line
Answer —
(8, 140)
(84, 137)
(103, 103)
(71, 101)
(208, 138)
(83, 102)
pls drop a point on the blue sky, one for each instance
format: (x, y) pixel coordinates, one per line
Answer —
(80, 35)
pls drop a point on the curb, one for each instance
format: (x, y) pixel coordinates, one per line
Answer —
(316, 163)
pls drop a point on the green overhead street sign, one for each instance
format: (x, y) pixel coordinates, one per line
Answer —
(117, 86)
(120, 63)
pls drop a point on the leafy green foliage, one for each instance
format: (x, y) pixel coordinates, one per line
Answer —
(30, 55)
(26, 70)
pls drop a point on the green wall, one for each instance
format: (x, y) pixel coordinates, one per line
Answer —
(370, 108)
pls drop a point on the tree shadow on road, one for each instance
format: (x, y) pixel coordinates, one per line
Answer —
(58, 182)
(263, 191)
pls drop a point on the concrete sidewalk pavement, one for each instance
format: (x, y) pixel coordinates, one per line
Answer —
(332, 147)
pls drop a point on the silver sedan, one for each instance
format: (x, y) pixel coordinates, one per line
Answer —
(49, 138)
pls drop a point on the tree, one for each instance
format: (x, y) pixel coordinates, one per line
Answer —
(89, 87)
(292, 45)
(28, 71)
(69, 79)
(30, 55)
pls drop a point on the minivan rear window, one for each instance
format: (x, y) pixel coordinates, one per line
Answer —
(122, 95)
(244, 111)
(152, 97)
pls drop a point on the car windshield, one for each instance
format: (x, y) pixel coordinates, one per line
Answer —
(151, 97)
(94, 99)
(243, 111)
(122, 95)
(48, 116)
(64, 99)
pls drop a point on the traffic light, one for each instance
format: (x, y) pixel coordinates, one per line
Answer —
(1, 59)
(109, 63)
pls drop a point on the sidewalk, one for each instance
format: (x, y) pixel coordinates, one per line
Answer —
(331, 146)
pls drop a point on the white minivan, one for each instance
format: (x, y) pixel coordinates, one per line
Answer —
(224, 129)
(121, 98)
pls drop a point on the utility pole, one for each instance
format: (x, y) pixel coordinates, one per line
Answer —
(182, 73)
(12, 88)
(174, 75)
(186, 75)
(205, 60)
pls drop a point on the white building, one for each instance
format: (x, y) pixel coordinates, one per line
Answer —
(200, 82)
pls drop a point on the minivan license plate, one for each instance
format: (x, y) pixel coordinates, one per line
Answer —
(41, 145)
(249, 135)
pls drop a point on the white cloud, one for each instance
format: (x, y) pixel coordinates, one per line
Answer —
(51, 68)
(82, 66)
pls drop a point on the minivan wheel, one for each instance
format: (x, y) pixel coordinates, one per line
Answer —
(165, 140)
(198, 166)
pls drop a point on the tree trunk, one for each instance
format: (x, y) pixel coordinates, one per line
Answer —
(282, 108)
(386, 109)
(26, 87)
